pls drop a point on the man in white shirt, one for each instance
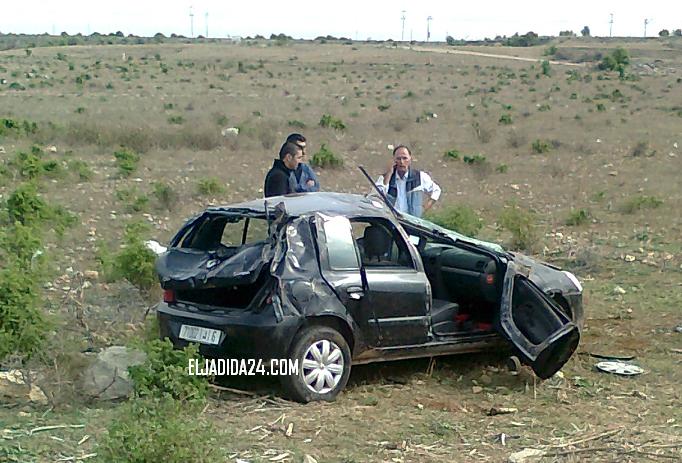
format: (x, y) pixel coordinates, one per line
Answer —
(405, 187)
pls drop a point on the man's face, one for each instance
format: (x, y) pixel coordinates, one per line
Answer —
(402, 160)
(292, 161)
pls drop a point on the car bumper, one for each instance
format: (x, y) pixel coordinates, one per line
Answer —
(245, 334)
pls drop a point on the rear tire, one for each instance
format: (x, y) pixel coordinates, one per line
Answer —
(324, 363)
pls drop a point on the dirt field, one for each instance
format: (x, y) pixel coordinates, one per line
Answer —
(611, 148)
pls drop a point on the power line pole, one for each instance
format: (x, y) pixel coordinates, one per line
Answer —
(428, 28)
(191, 23)
(402, 33)
(646, 21)
(206, 20)
(610, 24)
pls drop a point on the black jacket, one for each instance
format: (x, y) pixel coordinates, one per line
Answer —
(279, 180)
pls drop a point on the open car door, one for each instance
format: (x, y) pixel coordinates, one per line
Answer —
(544, 334)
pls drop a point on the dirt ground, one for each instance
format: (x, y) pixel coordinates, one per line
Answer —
(610, 143)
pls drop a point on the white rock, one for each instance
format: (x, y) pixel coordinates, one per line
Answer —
(13, 388)
(526, 455)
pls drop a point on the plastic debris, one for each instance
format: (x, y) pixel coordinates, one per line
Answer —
(619, 368)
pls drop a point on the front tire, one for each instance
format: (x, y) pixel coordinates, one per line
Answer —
(324, 363)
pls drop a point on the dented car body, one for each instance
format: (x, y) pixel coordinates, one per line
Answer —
(334, 280)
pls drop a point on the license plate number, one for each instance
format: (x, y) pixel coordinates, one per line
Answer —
(200, 334)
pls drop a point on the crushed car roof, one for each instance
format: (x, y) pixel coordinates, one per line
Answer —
(349, 205)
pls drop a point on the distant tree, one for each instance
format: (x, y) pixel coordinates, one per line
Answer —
(119, 34)
(566, 34)
(585, 32)
(677, 32)
(664, 33)
(450, 40)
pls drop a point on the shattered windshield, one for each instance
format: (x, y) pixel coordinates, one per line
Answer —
(450, 233)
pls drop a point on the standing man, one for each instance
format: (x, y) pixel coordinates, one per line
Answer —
(406, 187)
(306, 180)
(280, 179)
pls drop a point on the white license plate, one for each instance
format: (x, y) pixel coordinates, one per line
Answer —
(200, 334)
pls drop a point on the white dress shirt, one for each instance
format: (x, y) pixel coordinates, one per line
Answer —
(427, 185)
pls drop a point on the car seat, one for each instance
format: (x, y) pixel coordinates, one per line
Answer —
(376, 241)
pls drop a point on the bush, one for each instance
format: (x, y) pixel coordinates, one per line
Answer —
(546, 68)
(25, 206)
(126, 161)
(506, 119)
(81, 169)
(452, 154)
(326, 158)
(210, 186)
(616, 61)
(474, 159)
(578, 217)
(165, 373)
(165, 195)
(23, 327)
(152, 430)
(520, 223)
(135, 262)
(462, 219)
(541, 146)
(331, 122)
(296, 124)
(640, 202)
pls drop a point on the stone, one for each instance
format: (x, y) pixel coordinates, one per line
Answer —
(14, 388)
(107, 378)
(526, 455)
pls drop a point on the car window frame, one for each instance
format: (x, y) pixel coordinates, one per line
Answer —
(395, 231)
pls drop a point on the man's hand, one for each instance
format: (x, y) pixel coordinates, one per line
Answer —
(310, 183)
(389, 171)
(429, 204)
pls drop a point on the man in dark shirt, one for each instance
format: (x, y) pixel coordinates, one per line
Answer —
(279, 180)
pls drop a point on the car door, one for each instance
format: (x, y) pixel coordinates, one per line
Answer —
(542, 332)
(398, 290)
(340, 265)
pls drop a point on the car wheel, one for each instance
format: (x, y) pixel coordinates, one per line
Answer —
(324, 364)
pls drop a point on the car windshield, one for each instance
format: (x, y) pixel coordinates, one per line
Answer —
(450, 233)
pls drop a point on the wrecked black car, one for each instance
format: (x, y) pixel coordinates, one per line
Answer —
(332, 280)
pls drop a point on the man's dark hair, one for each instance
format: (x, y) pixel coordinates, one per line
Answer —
(288, 148)
(402, 146)
(296, 138)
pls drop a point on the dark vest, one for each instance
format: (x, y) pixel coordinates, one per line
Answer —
(414, 198)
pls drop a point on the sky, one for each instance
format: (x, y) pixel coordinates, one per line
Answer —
(355, 19)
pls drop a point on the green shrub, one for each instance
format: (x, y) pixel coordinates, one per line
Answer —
(578, 217)
(165, 373)
(165, 195)
(23, 327)
(452, 154)
(326, 158)
(134, 201)
(550, 51)
(210, 186)
(176, 120)
(159, 430)
(126, 161)
(296, 124)
(134, 262)
(637, 203)
(616, 61)
(383, 107)
(502, 168)
(506, 119)
(601, 107)
(25, 206)
(81, 169)
(546, 68)
(520, 223)
(474, 159)
(331, 122)
(541, 146)
(461, 219)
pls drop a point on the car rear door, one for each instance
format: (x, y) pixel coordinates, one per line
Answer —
(340, 266)
(543, 333)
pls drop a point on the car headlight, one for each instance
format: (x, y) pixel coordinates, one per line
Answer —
(574, 280)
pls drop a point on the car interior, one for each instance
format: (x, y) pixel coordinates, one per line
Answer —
(465, 284)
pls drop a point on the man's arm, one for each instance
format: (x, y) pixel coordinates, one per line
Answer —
(276, 185)
(312, 184)
(431, 188)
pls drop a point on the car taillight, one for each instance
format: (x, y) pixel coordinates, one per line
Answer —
(169, 295)
(490, 279)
